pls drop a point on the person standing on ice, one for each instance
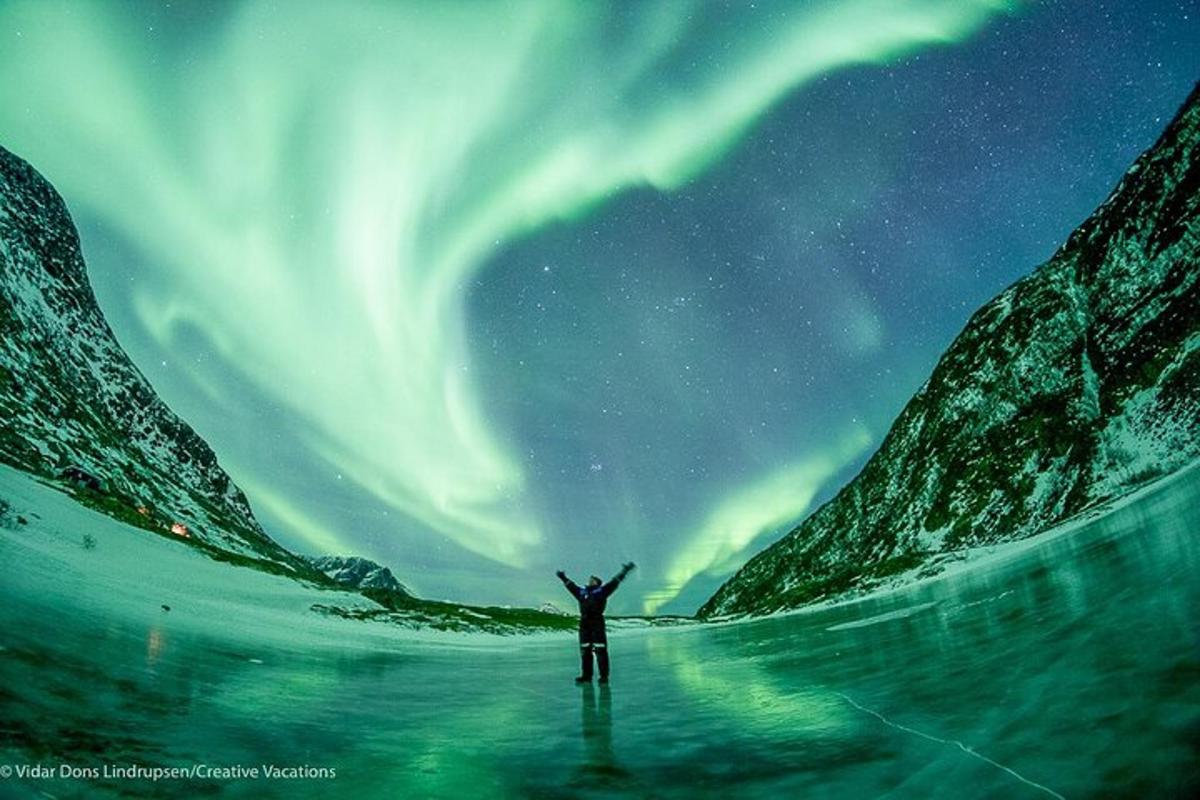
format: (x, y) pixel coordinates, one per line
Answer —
(592, 637)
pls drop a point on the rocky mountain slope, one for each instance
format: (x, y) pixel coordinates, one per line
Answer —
(1076, 385)
(75, 410)
(356, 572)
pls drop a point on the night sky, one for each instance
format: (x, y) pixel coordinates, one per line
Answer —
(481, 291)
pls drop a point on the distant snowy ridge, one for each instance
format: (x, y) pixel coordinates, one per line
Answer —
(360, 573)
(1076, 385)
(70, 397)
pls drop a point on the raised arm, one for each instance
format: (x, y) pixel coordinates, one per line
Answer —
(572, 587)
(612, 585)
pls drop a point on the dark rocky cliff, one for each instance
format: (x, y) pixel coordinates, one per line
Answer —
(70, 397)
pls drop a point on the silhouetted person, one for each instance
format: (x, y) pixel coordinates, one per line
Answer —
(592, 637)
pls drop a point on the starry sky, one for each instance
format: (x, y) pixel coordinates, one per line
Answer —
(484, 290)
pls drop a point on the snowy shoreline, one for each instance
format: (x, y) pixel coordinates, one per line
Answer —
(957, 562)
(122, 575)
(129, 576)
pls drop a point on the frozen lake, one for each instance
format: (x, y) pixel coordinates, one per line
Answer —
(1069, 669)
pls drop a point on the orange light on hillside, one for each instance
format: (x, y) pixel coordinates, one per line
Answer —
(145, 512)
(179, 529)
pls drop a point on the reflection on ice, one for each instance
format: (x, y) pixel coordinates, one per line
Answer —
(744, 691)
(599, 767)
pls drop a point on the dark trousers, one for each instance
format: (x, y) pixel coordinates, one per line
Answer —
(593, 639)
(601, 651)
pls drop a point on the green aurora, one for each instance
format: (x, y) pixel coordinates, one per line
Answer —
(318, 185)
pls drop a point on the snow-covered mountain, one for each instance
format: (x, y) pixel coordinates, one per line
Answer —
(73, 408)
(1073, 387)
(360, 573)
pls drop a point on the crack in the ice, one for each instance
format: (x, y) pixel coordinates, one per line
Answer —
(966, 749)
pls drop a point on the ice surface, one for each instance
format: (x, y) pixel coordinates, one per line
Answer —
(888, 616)
(1066, 667)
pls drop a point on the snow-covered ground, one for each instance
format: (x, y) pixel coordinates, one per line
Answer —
(130, 574)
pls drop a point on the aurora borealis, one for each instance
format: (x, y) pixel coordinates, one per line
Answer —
(483, 290)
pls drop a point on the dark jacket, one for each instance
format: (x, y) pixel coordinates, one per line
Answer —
(592, 600)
